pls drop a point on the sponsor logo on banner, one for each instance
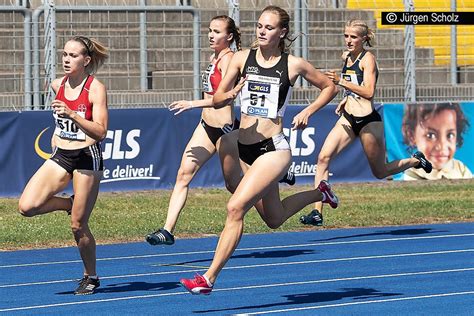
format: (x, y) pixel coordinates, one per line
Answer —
(114, 146)
(38, 149)
(302, 144)
(144, 147)
(114, 149)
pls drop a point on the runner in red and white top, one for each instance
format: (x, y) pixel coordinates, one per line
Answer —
(81, 118)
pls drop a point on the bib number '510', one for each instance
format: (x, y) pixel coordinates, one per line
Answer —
(67, 128)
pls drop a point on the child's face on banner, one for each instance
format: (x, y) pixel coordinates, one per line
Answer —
(436, 137)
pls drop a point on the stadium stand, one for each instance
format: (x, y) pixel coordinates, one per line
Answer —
(169, 47)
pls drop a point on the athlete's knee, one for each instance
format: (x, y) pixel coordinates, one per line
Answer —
(380, 176)
(272, 223)
(323, 159)
(379, 173)
(231, 185)
(235, 211)
(184, 177)
(78, 229)
(272, 220)
(27, 208)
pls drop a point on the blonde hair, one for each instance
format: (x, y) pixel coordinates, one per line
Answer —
(364, 30)
(284, 24)
(95, 50)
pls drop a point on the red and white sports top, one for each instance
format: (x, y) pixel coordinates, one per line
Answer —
(212, 76)
(66, 128)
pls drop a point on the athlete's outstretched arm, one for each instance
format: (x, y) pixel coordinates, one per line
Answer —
(184, 105)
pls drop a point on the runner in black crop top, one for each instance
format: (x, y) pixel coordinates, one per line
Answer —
(354, 73)
(265, 88)
(266, 75)
(358, 115)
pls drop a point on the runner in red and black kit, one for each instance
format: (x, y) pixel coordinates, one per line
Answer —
(81, 118)
(211, 78)
(87, 158)
(216, 132)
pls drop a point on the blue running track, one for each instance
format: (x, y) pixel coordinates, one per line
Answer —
(407, 270)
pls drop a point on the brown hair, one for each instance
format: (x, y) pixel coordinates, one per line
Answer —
(416, 113)
(364, 30)
(93, 48)
(231, 29)
(284, 23)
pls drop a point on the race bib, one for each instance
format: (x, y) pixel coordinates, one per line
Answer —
(206, 78)
(259, 96)
(352, 78)
(67, 129)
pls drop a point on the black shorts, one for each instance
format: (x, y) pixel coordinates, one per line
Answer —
(250, 153)
(88, 158)
(357, 123)
(214, 133)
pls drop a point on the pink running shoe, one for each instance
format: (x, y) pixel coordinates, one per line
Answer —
(198, 285)
(328, 195)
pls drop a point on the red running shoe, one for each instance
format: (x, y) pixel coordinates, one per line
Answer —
(198, 285)
(328, 195)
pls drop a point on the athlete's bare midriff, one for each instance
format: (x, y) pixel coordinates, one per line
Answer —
(217, 117)
(72, 144)
(255, 129)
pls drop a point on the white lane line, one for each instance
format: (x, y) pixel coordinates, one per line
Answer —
(253, 266)
(90, 302)
(409, 298)
(242, 249)
(262, 286)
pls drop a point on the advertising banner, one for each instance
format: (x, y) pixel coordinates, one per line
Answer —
(143, 149)
(443, 132)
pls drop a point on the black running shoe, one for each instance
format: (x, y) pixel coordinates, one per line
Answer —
(314, 218)
(160, 237)
(289, 178)
(87, 286)
(423, 162)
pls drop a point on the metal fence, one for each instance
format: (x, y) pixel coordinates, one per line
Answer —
(158, 48)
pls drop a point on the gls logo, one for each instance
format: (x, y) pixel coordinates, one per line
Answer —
(111, 150)
(259, 87)
(307, 138)
(115, 150)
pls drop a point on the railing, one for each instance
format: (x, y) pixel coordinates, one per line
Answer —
(157, 52)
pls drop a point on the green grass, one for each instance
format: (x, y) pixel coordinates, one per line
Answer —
(128, 216)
